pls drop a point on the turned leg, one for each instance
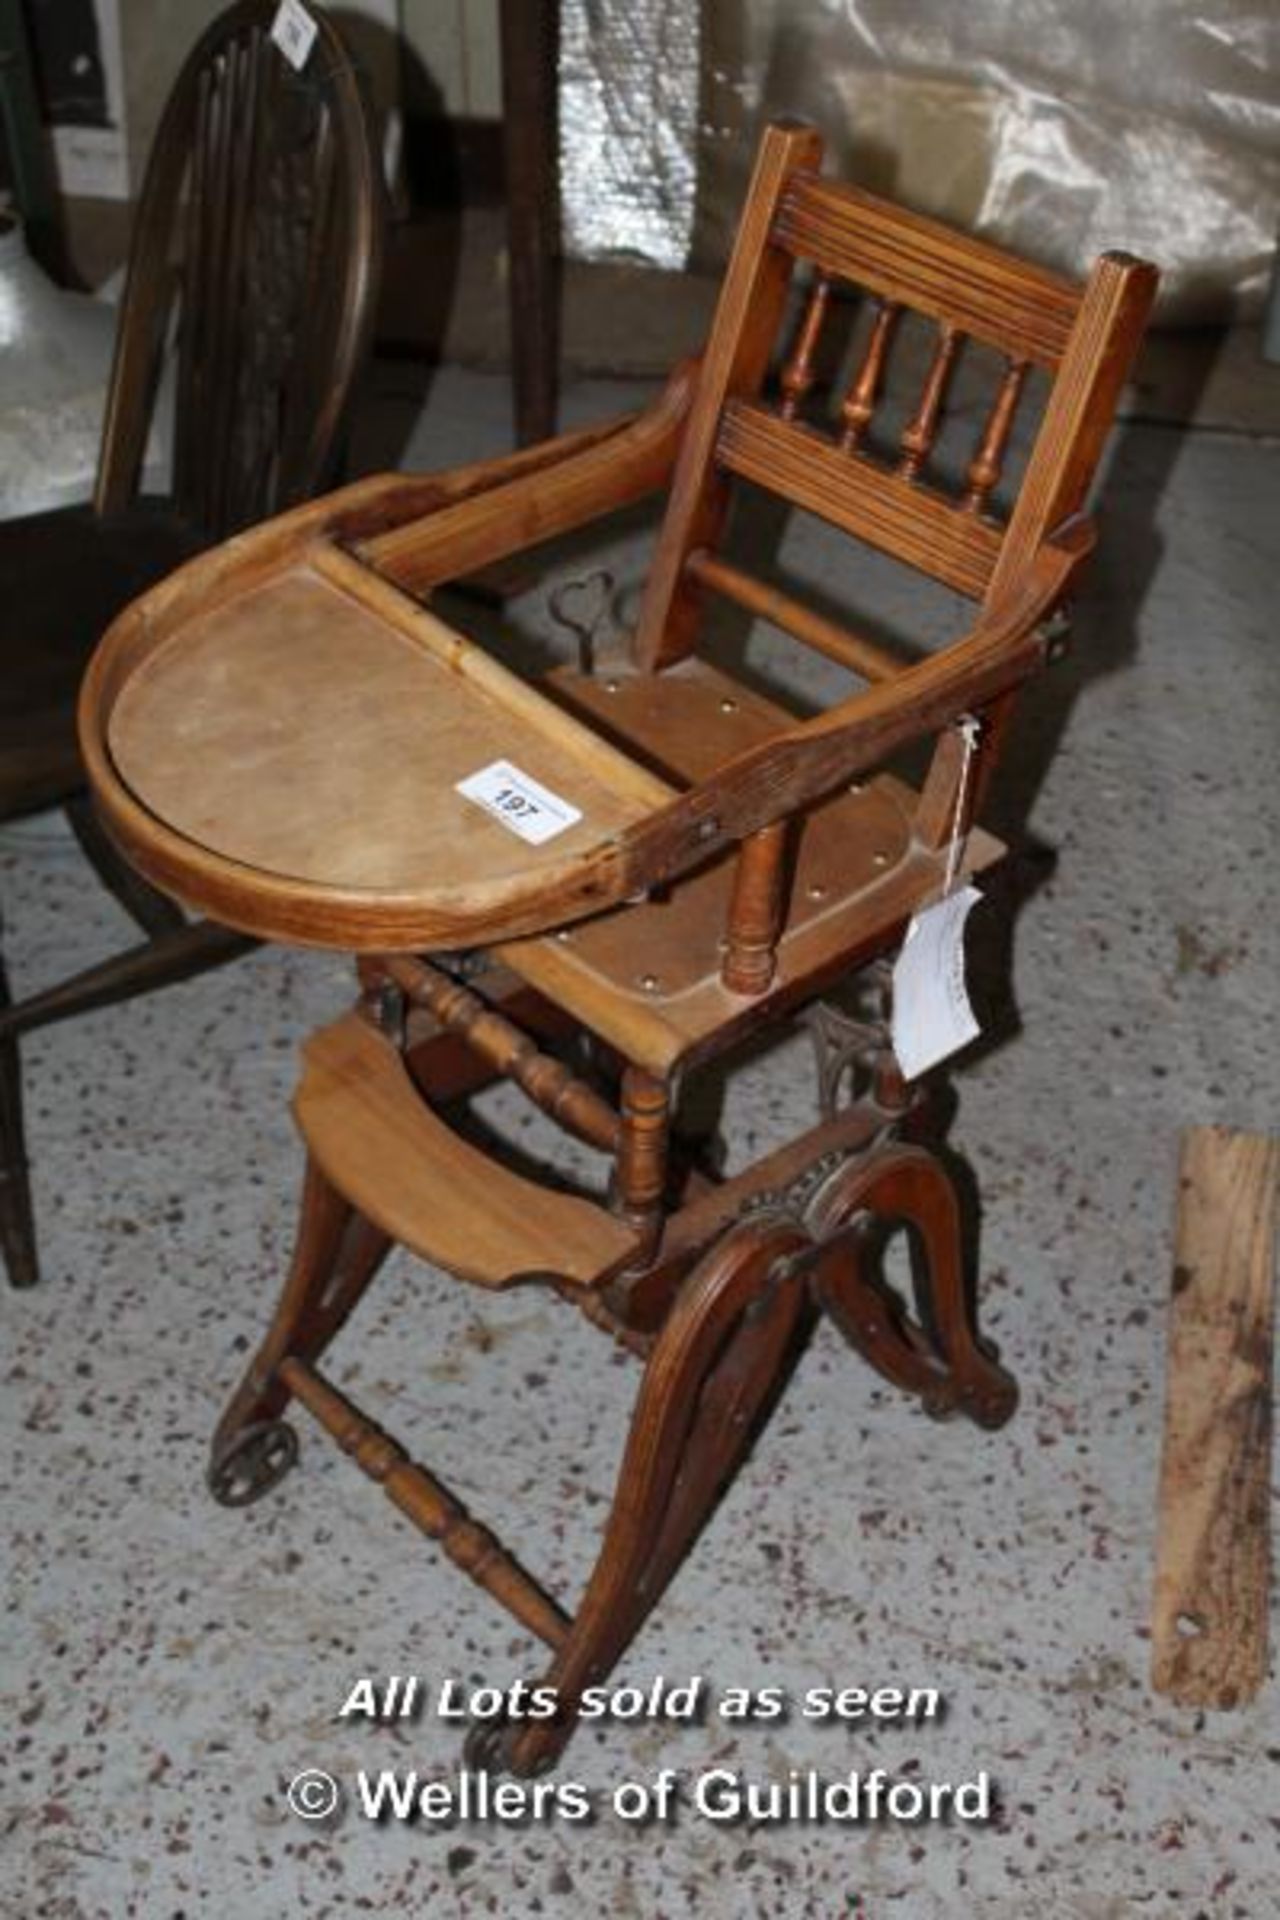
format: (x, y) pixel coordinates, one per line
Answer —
(719, 1359)
(640, 1172)
(158, 962)
(337, 1254)
(942, 1359)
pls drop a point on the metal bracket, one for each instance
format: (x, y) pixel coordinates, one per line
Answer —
(792, 1200)
(842, 1043)
(1055, 634)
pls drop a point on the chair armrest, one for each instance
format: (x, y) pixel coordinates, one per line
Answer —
(436, 528)
(490, 508)
(810, 760)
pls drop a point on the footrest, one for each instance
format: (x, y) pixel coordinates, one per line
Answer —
(380, 1144)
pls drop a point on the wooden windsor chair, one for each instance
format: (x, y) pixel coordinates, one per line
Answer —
(254, 269)
(650, 853)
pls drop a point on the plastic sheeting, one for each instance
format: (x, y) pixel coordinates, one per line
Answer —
(55, 357)
(1059, 127)
(629, 138)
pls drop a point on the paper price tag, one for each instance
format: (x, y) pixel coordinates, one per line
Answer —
(932, 1017)
(294, 32)
(520, 803)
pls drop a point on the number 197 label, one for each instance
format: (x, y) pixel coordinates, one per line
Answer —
(520, 803)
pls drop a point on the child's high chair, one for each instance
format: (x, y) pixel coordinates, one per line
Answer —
(649, 854)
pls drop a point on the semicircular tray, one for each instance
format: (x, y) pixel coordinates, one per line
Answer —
(301, 748)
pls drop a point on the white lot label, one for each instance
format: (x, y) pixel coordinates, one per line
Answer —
(294, 32)
(931, 1012)
(520, 803)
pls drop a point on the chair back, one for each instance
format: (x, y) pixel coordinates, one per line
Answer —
(1082, 338)
(255, 257)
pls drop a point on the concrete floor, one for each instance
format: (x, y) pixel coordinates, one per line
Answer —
(169, 1666)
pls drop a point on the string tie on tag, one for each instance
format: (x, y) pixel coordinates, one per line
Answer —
(970, 728)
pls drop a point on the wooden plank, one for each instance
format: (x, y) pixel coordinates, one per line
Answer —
(1013, 305)
(903, 517)
(1209, 1612)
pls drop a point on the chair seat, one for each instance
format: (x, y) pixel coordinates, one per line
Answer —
(64, 576)
(646, 977)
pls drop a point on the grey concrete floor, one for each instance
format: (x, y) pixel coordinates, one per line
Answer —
(168, 1666)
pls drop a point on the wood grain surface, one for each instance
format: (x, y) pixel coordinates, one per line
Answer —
(1209, 1617)
(365, 1122)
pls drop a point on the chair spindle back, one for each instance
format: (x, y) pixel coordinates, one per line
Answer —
(259, 228)
(1082, 338)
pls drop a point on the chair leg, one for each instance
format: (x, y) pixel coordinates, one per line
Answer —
(175, 952)
(337, 1254)
(941, 1360)
(720, 1358)
(17, 1219)
(528, 31)
(189, 949)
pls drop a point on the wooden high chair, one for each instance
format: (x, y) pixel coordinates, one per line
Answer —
(649, 854)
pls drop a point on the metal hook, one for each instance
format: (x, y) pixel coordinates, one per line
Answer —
(598, 587)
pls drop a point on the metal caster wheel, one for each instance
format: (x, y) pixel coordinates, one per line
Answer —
(257, 1460)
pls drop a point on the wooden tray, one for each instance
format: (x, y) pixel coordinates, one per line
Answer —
(286, 754)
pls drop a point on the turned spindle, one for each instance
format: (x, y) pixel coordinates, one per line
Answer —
(797, 374)
(756, 910)
(860, 402)
(641, 1170)
(985, 469)
(510, 1051)
(918, 438)
(427, 1503)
